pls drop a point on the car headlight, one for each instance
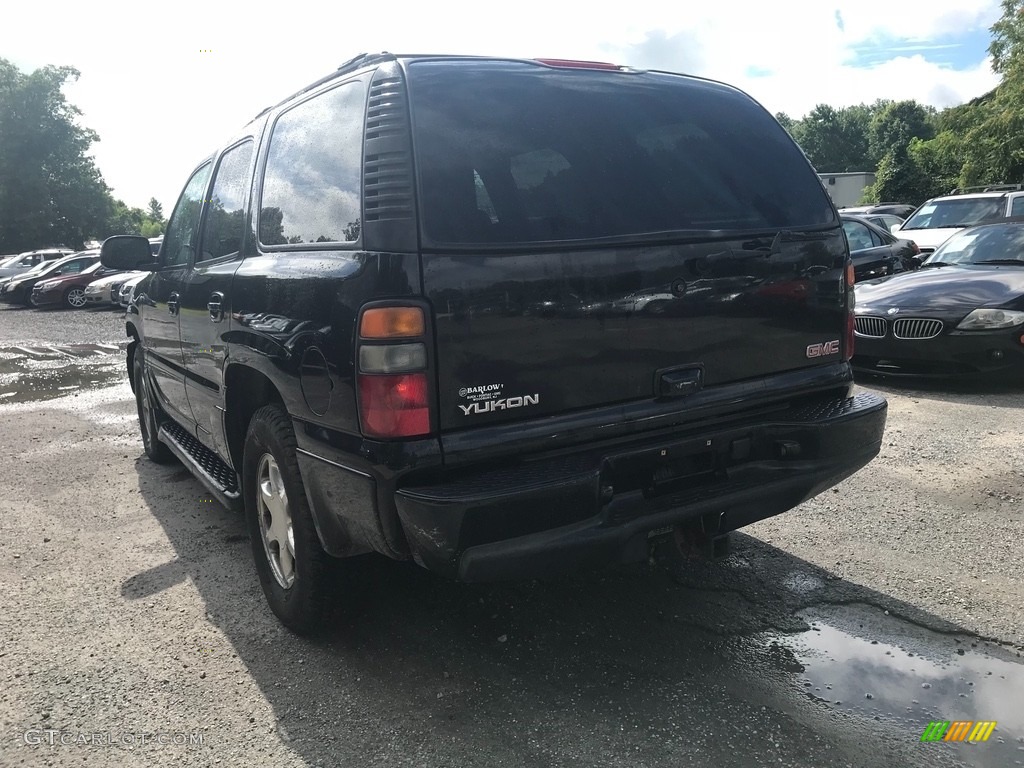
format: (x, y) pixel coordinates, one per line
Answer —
(991, 319)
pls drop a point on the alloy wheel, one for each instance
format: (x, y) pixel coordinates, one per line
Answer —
(275, 521)
(76, 298)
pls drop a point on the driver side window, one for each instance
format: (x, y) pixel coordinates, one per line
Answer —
(180, 239)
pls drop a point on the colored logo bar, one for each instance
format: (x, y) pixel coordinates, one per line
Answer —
(958, 730)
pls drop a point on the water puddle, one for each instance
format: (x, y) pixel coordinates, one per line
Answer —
(35, 374)
(882, 668)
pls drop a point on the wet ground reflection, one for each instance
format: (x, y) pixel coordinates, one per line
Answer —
(34, 374)
(913, 677)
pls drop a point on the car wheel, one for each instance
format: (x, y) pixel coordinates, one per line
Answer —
(149, 423)
(293, 568)
(74, 298)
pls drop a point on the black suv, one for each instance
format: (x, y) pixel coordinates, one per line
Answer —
(500, 317)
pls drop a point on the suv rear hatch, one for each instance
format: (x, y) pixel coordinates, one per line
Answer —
(593, 237)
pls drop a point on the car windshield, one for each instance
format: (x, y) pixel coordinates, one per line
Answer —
(1001, 243)
(963, 212)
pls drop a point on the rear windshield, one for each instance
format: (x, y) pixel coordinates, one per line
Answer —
(955, 213)
(509, 152)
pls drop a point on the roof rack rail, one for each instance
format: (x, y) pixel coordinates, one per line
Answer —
(988, 188)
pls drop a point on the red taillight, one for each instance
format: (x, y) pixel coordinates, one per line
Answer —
(395, 405)
(848, 349)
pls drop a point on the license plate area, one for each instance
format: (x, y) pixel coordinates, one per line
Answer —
(664, 469)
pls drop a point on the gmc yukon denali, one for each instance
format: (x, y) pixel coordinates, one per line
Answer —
(503, 318)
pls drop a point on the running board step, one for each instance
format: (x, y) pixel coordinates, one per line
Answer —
(220, 479)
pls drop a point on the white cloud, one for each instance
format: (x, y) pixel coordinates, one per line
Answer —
(160, 105)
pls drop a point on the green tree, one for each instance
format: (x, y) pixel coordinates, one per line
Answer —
(896, 124)
(900, 176)
(993, 125)
(835, 140)
(51, 192)
(1007, 44)
(156, 211)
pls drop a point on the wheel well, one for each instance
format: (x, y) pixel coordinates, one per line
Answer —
(247, 390)
(132, 334)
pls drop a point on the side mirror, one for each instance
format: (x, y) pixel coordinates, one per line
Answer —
(895, 228)
(126, 252)
(915, 262)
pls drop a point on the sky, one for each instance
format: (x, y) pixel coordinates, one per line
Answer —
(165, 85)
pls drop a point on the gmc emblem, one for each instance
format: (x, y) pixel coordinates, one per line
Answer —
(821, 350)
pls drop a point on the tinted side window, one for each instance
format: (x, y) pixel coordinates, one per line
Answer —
(1017, 207)
(180, 238)
(858, 235)
(76, 266)
(513, 153)
(311, 185)
(225, 214)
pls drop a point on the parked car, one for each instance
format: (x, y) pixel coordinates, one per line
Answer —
(939, 218)
(287, 350)
(68, 290)
(18, 290)
(126, 294)
(875, 251)
(106, 291)
(886, 221)
(899, 210)
(961, 313)
(23, 262)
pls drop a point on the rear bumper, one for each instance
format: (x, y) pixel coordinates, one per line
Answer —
(564, 513)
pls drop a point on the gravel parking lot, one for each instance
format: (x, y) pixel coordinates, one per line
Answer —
(136, 634)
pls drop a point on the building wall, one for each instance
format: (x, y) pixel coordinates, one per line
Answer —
(846, 188)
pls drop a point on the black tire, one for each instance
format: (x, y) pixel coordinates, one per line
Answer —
(148, 412)
(301, 604)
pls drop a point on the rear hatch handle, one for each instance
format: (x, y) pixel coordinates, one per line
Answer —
(679, 382)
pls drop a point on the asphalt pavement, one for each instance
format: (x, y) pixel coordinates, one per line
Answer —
(135, 632)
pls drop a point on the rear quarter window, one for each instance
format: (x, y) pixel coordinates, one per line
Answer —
(508, 152)
(311, 183)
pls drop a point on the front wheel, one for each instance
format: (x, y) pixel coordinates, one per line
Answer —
(74, 298)
(149, 424)
(293, 567)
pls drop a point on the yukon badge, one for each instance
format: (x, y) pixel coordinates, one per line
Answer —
(488, 398)
(821, 350)
(501, 404)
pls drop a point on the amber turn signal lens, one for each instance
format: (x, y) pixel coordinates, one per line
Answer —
(850, 278)
(391, 323)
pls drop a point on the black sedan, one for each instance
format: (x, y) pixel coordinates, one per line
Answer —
(962, 313)
(876, 252)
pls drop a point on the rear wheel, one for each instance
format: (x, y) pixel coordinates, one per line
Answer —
(293, 568)
(149, 423)
(74, 298)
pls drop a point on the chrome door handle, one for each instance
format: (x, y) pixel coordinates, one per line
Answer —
(172, 303)
(216, 306)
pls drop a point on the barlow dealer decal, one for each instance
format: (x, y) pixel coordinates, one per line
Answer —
(487, 398)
